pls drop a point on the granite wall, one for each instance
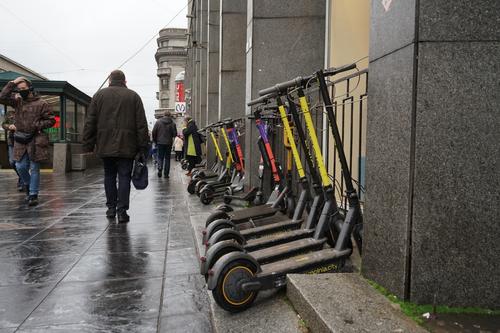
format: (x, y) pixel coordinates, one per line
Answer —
(285, 39)
(432, 217)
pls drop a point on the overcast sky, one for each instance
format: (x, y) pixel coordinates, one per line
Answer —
(82, 41)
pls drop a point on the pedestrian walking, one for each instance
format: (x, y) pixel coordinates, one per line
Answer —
(116, 126)
(31, 145)
(178, 147)
(194, 141)
(164, 132)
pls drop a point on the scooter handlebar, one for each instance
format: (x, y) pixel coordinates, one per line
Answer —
(260, 100)
(333, 71)
(302, 80)
(283, 86)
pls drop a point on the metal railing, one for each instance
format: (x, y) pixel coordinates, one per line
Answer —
(349, 96)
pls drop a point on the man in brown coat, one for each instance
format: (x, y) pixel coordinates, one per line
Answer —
(116, 126)
(32, 115)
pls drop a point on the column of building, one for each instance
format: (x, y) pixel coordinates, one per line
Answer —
(433, 182)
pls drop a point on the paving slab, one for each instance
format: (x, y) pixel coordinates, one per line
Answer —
(65, 267)
(345, 302)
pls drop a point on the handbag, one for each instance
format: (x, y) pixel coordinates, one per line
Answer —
(23, 137)
(140, 175)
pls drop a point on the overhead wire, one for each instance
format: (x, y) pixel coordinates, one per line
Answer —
(146, 43)
(27, 26)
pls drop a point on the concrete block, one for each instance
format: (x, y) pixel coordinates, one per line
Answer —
(345, 302)
(62, 157)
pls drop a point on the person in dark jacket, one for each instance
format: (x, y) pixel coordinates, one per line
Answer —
(116, 126)
(192, 144)
(31, 145)
(164, 132)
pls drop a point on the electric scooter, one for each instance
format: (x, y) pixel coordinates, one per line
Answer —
(226, 240)
(215, 170)
(223, 229)
(275, 201)
(229, 173)
(237, 277)
(210, 191)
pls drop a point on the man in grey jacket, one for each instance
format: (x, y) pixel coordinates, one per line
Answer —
(163, 134)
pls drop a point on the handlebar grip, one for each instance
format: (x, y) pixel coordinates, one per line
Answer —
(334, 71)
(260, 100)
(280, 87)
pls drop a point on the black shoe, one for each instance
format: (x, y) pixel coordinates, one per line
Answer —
(159, 173)
(166, 176)
(33, 200)
(123, 217)
(26, 190)
(111, 213)
(20, 188)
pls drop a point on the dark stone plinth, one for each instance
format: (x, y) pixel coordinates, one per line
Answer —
(433, 181)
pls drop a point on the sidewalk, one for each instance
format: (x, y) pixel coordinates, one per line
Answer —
(64, 268)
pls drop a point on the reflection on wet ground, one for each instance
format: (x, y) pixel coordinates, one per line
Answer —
(463, 323)
(64, 267)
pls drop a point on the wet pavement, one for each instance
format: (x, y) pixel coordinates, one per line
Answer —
(463, 323)
(65, 268)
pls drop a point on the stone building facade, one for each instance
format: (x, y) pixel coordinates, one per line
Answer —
(171, 59)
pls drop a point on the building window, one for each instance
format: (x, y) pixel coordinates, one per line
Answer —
(164, 43)
(165, 84)
(164, 64)
(164, 103)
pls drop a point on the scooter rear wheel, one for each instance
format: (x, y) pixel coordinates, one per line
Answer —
(333, 233)
(191, 187)
(290, 206)
(199, 186)
(228, 293)
(227, 195)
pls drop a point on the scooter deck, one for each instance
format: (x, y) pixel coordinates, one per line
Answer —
(256, 212)
(271, 227)
(209, 174)
(276, 239)
(305, 262)
(287, 250)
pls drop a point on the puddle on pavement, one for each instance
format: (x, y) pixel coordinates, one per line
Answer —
(463, 323)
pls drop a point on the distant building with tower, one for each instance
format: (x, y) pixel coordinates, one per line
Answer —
(171, 58)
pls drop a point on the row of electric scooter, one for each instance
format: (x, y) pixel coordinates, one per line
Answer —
(254, 248)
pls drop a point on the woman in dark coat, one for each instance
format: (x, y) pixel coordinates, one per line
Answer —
(192, 143)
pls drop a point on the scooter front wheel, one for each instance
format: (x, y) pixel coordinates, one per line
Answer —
(217, 215)
(228, 293)
(206, 196)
